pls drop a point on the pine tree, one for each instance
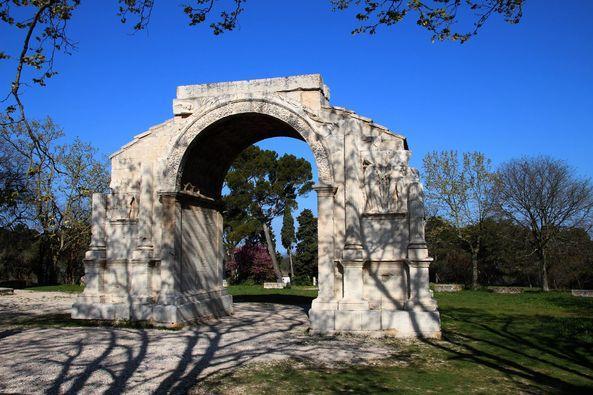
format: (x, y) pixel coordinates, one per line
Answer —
(287, 235)
(260, 185)
(305, 265)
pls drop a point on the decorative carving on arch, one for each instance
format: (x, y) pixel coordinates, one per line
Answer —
(172, 165)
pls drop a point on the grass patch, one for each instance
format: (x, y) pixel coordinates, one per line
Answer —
(70, 288)
(295, 295)
(533, 342)
(66, 321)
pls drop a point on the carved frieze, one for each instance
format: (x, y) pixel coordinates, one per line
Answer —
(122, 206)
(385, 177)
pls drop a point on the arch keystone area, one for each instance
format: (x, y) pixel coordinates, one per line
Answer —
(156, 251)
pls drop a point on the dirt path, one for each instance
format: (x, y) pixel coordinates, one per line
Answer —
(115, 360)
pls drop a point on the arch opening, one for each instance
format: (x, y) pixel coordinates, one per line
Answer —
(212, 152)
(202, 172)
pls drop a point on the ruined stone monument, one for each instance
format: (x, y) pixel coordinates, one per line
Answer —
(156, 251)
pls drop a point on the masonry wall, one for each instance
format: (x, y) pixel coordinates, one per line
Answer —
(147, 147)
(201, 249)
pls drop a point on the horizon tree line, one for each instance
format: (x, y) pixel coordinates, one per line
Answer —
(526, 222)
(539, 201)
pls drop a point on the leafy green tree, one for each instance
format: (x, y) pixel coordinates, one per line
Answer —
(260, 186)
(54, 198)
(19, 255)
(505, 255)
(305, 265)
(460, 191)
(452, 262)
(287, 235)
(571, 259)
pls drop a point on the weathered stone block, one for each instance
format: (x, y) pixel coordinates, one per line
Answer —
(370, 321)
(348, 320)
(447, 287)
(273, 285)
(506, 290)
(584, 293)
(322, 321)
(411, 323)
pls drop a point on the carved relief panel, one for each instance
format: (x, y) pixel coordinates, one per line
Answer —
(385, 175)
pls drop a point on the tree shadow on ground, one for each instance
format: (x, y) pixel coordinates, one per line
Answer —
(538, 353)
(115, 360)
(574, 304)
(64, 320)
(292, 300)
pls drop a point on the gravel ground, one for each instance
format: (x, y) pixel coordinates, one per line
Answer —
(37, 359)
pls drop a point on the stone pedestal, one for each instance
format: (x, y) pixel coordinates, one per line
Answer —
(192, 285)
(87, 304)
(353, 311)
(418, 262)
(352, 299)
(93, 269)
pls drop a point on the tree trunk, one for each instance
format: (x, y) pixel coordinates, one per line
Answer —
(475, 269)
(290, 260)
(46, 271)
(272, 253)
(544, 271)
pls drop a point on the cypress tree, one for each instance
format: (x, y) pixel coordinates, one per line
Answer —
(287, 235)
(305, 265)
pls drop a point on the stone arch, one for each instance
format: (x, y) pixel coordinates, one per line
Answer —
(163, 260)
(296, 119)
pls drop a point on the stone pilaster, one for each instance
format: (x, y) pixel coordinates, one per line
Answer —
(416, 219)
(97, 248)
(141, 268)
(144, 248)
(352, 193)
(93, 269)
(353, 256)
(420, 296)
(171, 248)
(94, 259)
(325, 247)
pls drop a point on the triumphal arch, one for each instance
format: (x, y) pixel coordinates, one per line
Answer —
(156, 251)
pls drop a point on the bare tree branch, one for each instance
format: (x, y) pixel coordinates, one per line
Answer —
(543, 196)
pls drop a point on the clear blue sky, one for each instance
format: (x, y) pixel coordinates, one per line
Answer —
(513, 90)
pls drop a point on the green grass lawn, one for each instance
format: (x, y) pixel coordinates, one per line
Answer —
(295, 295)
(70, 288)
(492, 343)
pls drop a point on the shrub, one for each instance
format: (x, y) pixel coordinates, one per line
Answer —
(250, 262)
